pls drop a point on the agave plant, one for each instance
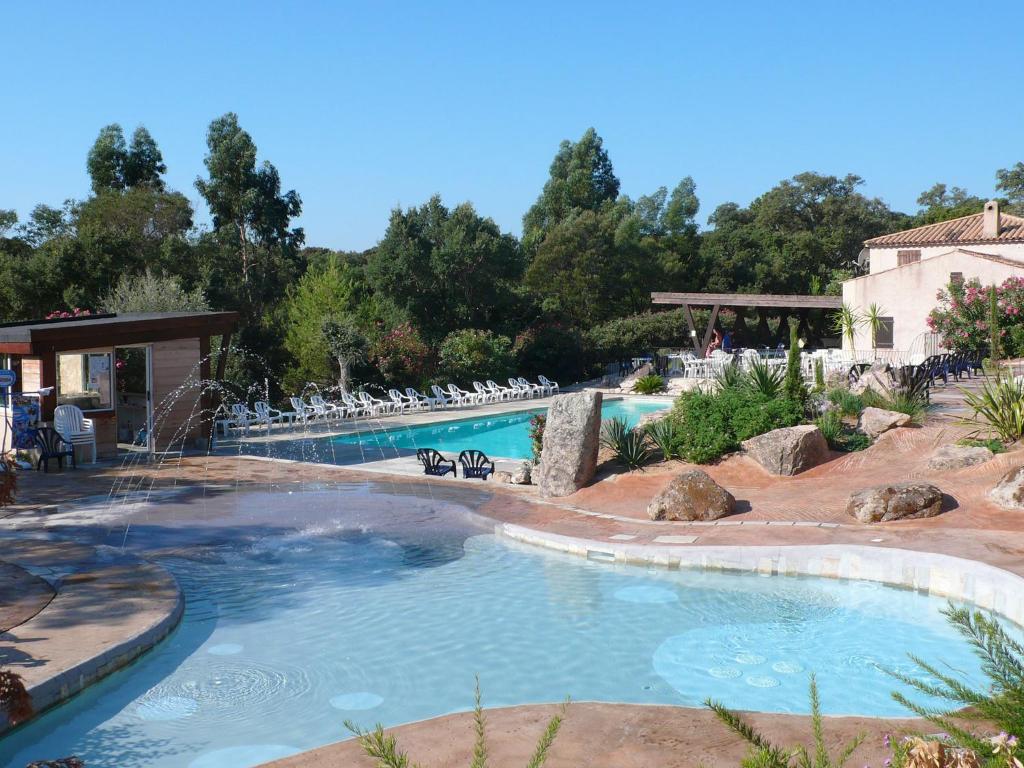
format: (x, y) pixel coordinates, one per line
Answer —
(383, 747)
(649, 384)
(664, 433)
(630, 446)
(730, 377)
(763, 379)
(998, 407)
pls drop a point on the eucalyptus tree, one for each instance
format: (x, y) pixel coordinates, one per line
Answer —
(113, 165)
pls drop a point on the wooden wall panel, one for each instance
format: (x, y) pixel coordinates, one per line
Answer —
(176, 414)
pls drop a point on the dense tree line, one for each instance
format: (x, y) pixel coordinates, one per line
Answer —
(445, 291)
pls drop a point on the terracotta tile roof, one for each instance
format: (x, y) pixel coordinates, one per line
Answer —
(966, 229)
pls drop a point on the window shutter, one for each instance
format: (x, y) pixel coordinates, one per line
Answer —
(907, 257)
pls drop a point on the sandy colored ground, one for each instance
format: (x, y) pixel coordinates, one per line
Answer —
(605, 736)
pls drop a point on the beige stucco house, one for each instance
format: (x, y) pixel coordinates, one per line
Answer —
(908, 268)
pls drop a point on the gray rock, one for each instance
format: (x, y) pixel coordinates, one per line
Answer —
(501, 476)
(788, 451)
(522, 475)
(650, 418)
(959, 456)
(875, 379)
(901, 501)
(875, 421)
(1009, 491)
(692, 495)
(569, 449)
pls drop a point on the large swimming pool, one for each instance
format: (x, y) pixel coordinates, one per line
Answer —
(506, 435)
(379, 604)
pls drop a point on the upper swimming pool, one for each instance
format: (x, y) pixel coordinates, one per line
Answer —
(505, 435)
(373, 603)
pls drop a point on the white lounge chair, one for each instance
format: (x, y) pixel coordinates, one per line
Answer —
(485, 395)
(401, 402)
(72, 425)
(421, 400)
(503, 393)
(270, 416)
(536, 390)
(550, 387)
(374, 405)
(462, 397)
(303, 410)
(354, 408)
(441, 398)
(326, 410)
(519, 392)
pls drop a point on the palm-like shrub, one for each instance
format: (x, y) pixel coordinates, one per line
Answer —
(831, 426)
(630, 446)
(848, 403)
(913, 403)
(764, 754)
(999, 705)
(664, 433)
(731, 377)
(649, 384)
(998, 407)
(763, 379)
(383, 747)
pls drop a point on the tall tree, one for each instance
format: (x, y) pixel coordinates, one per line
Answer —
(144, 163)
(942, 203)
(250, 214)
(106, 159)
(1010, 181)
(448, 269)
(581, 177)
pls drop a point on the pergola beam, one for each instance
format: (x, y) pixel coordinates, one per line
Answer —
(763, 300)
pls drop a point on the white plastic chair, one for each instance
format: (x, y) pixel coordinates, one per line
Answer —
(325, 409)
(400, 401)
(354, 408)
(374, 405)
(270, 416)
(485, 395)
(72, 425)
(550, 387)
(503, 393)
(534, 389)
(461, 396)
(303, 410)
(441, 398)
(421, 400)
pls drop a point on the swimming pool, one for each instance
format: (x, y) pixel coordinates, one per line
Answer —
(370, 603)
(505, 435)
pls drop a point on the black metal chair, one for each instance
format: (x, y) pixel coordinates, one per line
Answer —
(435, 464)
(52, 445)
(476, 464)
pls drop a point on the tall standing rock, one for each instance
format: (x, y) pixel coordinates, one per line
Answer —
(1009, 491)
(568, 457)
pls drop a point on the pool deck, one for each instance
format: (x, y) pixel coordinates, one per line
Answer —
(974, 550)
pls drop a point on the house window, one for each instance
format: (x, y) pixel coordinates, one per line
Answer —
(883, 334)
(85, 379)
(907, 257)
(956, 278)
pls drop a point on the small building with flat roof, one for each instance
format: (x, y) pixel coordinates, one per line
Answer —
(137, 376)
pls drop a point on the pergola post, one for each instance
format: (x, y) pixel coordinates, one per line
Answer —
(710, 330)
(693, 329)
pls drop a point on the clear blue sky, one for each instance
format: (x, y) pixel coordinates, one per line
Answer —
(364, 106)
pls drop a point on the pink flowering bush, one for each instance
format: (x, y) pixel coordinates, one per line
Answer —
(61, 314)
(962, 317)
(401, 356)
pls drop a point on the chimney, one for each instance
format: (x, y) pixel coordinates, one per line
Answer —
(990, 227)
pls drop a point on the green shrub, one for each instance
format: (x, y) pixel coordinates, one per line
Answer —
(998, 407)
(763, 379)
(625, 336)
(764, 754)
(1014, 341)
(999, 705)
(914, 404)
(537, 424)
(731, 377)
(550, 349)
(851, 440)
(848, 403)
(474, 354)
(996, 446)
(630, 446)
(664, 433)
(793, 386)
(710, 425)
(831, 426)
(649, 384)
(819, 375)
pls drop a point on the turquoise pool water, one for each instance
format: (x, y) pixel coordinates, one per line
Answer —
(506, 436)
(375, 604)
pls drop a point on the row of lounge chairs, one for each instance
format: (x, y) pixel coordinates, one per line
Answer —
(475, 464)
(354, 405)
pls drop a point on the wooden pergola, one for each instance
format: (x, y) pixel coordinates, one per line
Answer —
(752, 300)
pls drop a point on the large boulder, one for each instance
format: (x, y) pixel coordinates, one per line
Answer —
(958, 456)
(649, 418)
(568, 455)
(789, 450)
(1009, 491)
(900, 501)
(875, 421)
(692, 495)
(522, 475)
(874, 378)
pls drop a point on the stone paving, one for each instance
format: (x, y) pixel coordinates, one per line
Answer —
(803, 511)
